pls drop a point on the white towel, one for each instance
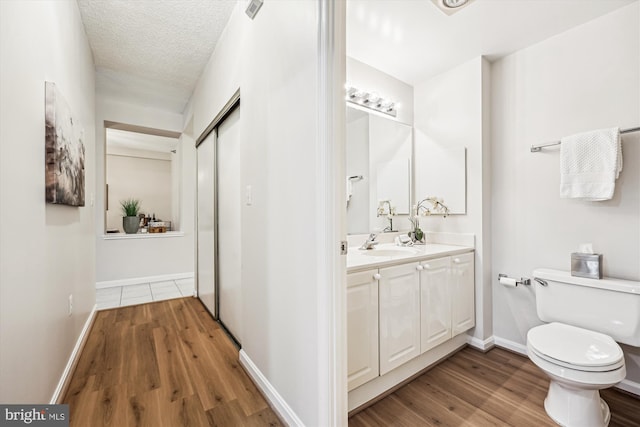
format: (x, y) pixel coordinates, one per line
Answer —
(590, 163)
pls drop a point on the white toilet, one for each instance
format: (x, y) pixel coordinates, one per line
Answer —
(578, 349)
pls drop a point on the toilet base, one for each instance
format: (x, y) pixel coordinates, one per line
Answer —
(573, 407)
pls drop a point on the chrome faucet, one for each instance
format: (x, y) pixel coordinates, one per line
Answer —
(370, 242)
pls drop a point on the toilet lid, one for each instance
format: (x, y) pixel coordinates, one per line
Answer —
(575, 346)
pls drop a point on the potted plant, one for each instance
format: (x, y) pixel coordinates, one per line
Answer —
(416, 233)
(130, 221)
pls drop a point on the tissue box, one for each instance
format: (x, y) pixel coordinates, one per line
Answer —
(586, 265)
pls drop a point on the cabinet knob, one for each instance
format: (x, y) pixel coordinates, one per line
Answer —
(456, 260)
(427, 267)
(377, 276)
(419, 268)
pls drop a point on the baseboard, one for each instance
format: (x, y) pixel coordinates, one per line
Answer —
(138, 280)
(276, 401)
(482, 345)
(63, 384)
(629, 386)
(510, 345)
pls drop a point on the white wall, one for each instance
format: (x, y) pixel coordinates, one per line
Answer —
(47, 252)
(274, 61)
(448, 111)
(586, 78)
(137, 258)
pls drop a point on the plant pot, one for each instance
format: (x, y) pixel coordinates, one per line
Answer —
(130, 224)
(417, 235)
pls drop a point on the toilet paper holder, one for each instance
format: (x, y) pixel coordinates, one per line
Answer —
(522, 281)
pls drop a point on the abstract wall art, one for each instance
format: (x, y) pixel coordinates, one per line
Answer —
(64, 151)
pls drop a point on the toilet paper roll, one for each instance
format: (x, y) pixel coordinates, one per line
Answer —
(508, 281)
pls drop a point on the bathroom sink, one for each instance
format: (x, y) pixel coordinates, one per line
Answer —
(390, 252)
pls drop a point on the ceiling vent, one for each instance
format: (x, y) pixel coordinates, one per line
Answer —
(254, 6)
(450, 7)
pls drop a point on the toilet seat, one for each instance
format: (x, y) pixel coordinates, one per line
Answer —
(575, 348)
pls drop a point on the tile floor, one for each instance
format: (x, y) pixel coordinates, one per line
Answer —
(144, 292)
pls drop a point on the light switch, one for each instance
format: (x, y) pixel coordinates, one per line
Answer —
(248, 195)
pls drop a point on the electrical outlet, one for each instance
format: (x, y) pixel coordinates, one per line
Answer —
(70, 304)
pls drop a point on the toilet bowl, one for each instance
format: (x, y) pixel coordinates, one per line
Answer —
(579, 363)
(578, 346)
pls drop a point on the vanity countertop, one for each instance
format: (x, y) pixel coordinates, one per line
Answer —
(388, 254)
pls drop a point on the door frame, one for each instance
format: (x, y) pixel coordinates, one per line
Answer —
(330, 190)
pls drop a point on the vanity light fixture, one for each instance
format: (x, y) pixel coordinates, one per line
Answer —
(450, 7)
(370, 100)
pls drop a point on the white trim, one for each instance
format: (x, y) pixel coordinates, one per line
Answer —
(330, 177)
(511, 345)
(482, 345)
(629, 386)
(276, 401)
(138, 280)
(73, 358)
(124, 236)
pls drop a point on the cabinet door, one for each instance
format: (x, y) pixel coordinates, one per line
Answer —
(462, 293)
(362, 328)
(435, 302)
(399, 315)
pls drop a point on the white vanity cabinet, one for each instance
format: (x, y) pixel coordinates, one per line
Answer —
(399, 315)
(463, 316)
(396, 313)
(446, 298)
(435, 300)
(362, 327)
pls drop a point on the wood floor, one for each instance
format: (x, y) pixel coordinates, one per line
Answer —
(162, 364)
(169, 364)
(498, 388)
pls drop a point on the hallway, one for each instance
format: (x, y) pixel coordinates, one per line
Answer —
(166, 363)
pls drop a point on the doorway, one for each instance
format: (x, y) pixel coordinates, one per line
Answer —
(219, 221)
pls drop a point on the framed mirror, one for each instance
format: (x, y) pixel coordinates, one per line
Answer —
(378, 169)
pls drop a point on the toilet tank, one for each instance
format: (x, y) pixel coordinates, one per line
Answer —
(610, 306)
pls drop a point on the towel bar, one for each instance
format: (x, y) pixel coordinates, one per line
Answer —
(536, 148)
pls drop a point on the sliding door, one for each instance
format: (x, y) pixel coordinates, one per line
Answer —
(206, 222)
(229, 210)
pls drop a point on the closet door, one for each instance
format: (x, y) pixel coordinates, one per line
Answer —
(206, 222)
(229, 227)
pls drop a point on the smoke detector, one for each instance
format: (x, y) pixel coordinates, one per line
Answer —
(450, 7)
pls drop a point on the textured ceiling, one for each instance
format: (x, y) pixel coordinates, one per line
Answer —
(147, 45)
(152, 52)
(413, 40)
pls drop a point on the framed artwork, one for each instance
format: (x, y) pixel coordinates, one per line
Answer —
(64, 151)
